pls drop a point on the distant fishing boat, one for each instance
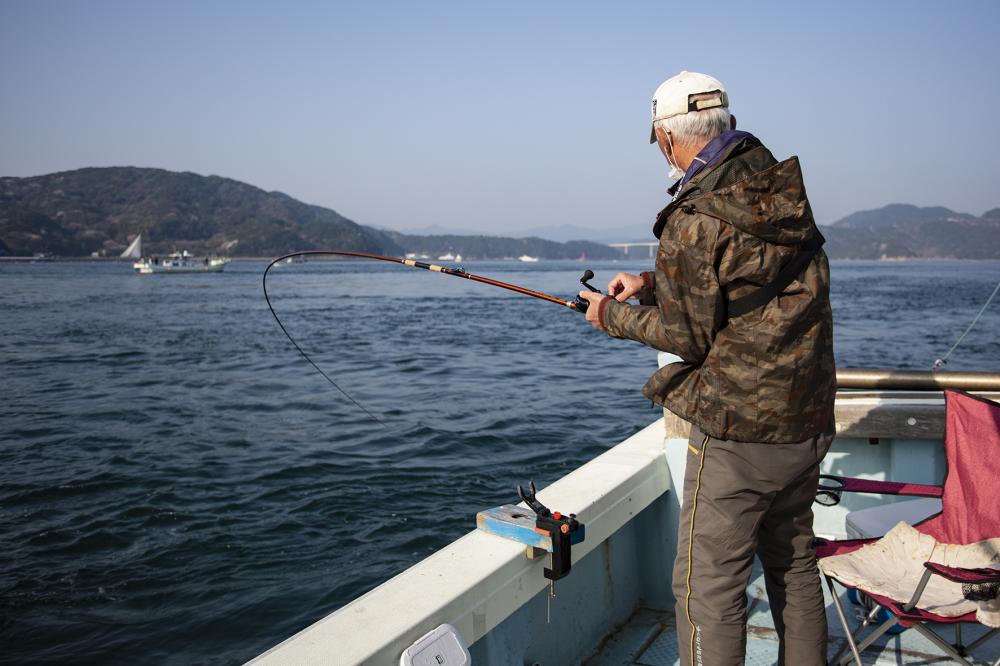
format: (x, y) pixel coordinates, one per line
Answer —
(528, 258)
(450, 257)
(176, 262)
(180, 262)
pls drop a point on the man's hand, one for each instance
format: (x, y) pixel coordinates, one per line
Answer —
(594, 299)
(624, 286)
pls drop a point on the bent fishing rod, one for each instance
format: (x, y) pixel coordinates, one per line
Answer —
(578, 304)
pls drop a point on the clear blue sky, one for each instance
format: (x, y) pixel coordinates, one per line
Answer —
(496, 116)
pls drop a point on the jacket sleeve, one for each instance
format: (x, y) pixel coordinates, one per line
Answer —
(689, 306)
(647, 295)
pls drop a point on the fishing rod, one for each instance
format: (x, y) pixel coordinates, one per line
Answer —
(578, 304)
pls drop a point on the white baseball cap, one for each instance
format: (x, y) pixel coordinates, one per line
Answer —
(688, 91)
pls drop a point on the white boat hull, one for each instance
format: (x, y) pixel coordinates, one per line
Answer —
(148, 266)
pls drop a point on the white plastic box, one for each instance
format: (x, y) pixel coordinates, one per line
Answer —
(438, 647)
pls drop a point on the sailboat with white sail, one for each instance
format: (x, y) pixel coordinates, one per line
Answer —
(134, 251)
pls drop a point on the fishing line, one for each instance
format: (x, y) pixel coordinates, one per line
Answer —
(944, 359)
(578, 304)
(302, 351)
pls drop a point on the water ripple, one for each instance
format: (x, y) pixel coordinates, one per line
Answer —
(178, 485)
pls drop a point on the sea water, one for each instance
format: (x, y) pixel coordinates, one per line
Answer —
(178, 486)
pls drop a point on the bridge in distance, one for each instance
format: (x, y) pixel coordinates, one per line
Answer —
(651, 248)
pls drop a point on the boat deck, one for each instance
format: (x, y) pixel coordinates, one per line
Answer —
(649, 639)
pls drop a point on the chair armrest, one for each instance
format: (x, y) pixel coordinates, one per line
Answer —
(961, 575)
(831, 486)
(828, 547)
(977, 584)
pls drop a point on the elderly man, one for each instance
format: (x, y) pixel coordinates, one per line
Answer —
(740, 293)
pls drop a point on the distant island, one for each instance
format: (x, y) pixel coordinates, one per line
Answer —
(902, 231)
(98, 211)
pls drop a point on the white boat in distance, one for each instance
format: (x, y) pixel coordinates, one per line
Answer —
(527, 258)
(180, 262)
(450, 257)
(176, 262)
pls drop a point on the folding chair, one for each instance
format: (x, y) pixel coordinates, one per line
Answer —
(970, 513)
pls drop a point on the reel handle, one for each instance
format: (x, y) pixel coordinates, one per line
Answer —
(579, 304)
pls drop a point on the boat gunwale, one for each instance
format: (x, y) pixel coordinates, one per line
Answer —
(479, 580)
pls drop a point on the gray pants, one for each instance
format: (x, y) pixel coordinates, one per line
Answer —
(744, 499)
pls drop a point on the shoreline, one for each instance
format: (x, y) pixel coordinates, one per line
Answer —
(105, 260)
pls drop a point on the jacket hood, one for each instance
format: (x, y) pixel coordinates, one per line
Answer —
(770, 204)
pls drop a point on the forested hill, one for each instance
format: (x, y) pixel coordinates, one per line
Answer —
(77, 213)
(905, 231)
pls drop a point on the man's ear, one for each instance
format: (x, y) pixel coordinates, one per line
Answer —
(661, 139)
(732, 122)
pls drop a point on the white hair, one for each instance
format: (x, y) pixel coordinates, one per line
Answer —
(695, 126)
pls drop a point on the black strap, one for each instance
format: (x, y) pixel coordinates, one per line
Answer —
(791, 270)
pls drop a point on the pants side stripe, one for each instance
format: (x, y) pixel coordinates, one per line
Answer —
(694, 509)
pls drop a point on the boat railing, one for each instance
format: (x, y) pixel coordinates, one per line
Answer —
(887, 379)
(875, 403)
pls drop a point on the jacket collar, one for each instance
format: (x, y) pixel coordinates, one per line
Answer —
(689, 184)
(713, 152)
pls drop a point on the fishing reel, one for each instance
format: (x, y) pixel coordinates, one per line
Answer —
(580, 304)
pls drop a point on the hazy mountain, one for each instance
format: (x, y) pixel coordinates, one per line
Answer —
(570, 232)
(436, 230)
(560, 233)
(495, 247)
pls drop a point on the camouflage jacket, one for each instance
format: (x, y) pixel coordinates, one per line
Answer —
(768, 375)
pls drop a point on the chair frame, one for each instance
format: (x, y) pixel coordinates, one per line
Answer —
(903, 614)
(956, 651)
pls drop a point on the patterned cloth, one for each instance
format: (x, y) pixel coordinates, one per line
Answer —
(893, 565)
